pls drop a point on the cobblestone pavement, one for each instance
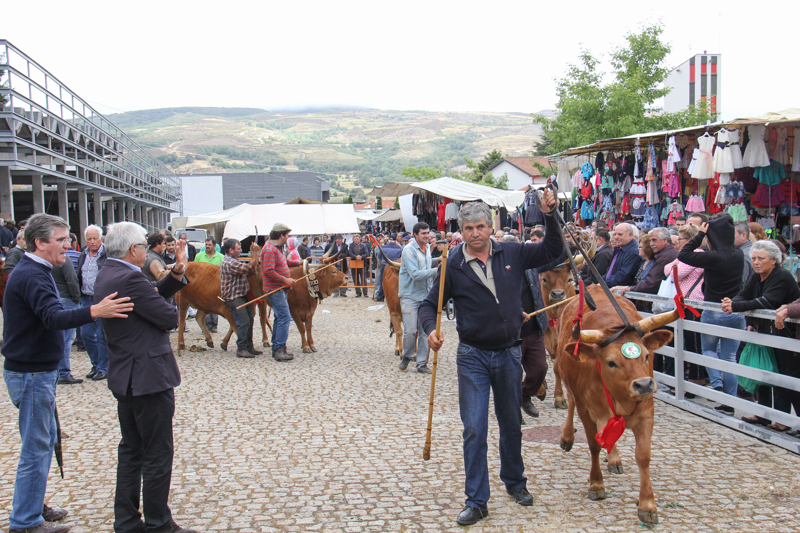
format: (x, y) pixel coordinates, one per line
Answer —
(332, 442)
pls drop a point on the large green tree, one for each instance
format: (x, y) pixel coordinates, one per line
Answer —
(589, 109)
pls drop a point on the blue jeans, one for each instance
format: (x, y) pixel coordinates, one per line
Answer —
(411, 326)
(280, 325)
(64, 368)
(478, 371)
(379, 282)
(721, 348)
(34, 394)
(94, 339)
(244, 322)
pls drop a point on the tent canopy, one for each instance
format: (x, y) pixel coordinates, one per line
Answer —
(387, 215)
(455, 190)
(312, 219)
(208, 220)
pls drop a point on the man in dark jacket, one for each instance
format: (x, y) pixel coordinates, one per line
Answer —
(601, 259)
(69, 290)
(484, 279)
(333, 248)
(625, 259)
(360, 252)
(142, 375)
(92, 259)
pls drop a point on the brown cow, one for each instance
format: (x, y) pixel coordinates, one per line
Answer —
(629, 379)
(204, 294)
(391, 291)
(302, 305)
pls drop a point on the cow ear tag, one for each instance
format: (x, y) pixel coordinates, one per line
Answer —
(631, 350)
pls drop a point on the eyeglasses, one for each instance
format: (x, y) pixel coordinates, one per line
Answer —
(682, 239)
(141, 245)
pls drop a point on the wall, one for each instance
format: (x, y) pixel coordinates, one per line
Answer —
(201, 194)
(517, 179)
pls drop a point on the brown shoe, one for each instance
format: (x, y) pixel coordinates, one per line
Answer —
(281, 355)
(244, 353)
(44, 527)
(254, 351)
(175, 528)
(54, 514)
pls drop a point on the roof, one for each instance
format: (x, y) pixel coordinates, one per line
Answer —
(454, 189)
(525, 164)
(385, 204)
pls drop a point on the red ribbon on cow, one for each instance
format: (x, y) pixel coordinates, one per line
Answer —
(679, 304)
(579, 317)
(609, 435)
(553, 322)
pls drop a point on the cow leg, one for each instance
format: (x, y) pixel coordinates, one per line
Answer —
(558, 394)
(568, 433)
(309, 325)
(231, 329)
(183, 308)
(643, 432)
(597, 490)
(301, 327)
(397, 324)
(262, 317)
(614, 461)
(201, 321)
(542, 394)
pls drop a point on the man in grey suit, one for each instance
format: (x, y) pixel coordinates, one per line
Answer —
(142, 374)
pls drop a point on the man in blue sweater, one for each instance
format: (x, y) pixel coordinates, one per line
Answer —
(625, 260)
(484, 279)
(33, 346)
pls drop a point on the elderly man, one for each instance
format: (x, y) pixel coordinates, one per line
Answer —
(15, 254)
(665, 253)
(484, 279)
(142, 376)
(212, 256)
(360, 252)
(275, 275)
(92, 259)
(191, 251)
(33, 347)
(233, 282)
(625, 259)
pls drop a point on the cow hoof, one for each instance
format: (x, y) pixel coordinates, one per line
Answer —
(397, 352)
(600, 494)
(210, 344)
(313, 349)
(561, 404)
(648, 517)
(224, 347)
(182, 347)
(306, 350)
(266, 344)
(566, 446)
(615, 468)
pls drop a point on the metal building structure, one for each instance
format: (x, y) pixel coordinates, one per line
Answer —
(60, 156)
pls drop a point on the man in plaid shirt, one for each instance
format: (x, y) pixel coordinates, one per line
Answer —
(275, 275)
(233, 282)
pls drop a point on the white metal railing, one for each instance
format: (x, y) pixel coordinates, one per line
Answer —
(682, 386)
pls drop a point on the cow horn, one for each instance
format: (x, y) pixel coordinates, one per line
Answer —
(592, 336)
(579, 257)
(389, 261)
(656, 321)
(305, 267)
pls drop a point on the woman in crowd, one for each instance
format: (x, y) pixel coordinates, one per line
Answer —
(770, 287)
(757, 232)
(293, 254)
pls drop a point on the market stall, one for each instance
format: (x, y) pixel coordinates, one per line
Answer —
(311, 219)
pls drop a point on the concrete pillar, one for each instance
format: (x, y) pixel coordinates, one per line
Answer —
(120, 217)
(83, 214)
(98, 208)
(63, 201)
(38, 194)
(109, 212)
(6, 193)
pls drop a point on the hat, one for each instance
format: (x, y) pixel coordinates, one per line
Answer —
(281, 227)
(408, 236)
(337, 236)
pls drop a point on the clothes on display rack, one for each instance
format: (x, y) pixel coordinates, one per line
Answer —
(772, 174)
(703, 166)
(736, 150)
(796, 151)
(563, 179)
(755, 154)
(673, 156)
(723, 155)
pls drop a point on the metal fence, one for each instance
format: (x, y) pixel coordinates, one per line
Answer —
(681, 386)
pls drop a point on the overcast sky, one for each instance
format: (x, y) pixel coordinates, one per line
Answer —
(411, 55)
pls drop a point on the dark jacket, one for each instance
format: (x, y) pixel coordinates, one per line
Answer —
(67, 281)
(34, 340)
(625, 266)
(601, 260)
(655, 276)
(101, 260)
(780, 288)
(139, 352)
(532, 301)
(723, 263)
(484, 322)
(392, 250)
(747, 271)
(358, 249)
(191, 251)
(13, 257)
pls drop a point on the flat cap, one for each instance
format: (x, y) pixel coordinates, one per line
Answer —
(280, 226)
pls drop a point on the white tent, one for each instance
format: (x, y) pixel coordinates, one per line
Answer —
(456, 190)
(386, 215)
(312, 219)
(208, 220)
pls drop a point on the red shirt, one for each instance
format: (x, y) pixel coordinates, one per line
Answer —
(274, 267)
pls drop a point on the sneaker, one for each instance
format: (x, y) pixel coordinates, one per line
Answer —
(404, 363)
(424, 369)
(53, 514)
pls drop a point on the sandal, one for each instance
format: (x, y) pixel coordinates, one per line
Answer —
(755, 420)
(777, 427)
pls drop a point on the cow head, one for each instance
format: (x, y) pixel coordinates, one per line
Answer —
(254, 277)
(626, 362)
(329, 279)
(327, 259)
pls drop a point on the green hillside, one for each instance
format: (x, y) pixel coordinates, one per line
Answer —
(357, 148)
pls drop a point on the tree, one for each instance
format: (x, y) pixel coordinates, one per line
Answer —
(478, 172)
(422, 174)
(397, 203)
(589, 110)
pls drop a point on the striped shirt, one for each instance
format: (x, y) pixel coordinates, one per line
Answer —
(274, 267)
(233, 278)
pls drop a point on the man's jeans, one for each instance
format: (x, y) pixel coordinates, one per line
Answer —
(379, 282)
(212, 321)
(94, 339)
(34, 394)
(411, 325)
(64, 369)
(244, 322)
(721, 348)
(280, 325)
(478, 371)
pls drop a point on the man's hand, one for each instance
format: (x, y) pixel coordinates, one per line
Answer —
(289, 281)
(704, 227)
(548, 201)
(780, 315)
(525, 316)
(358, 257)
(181, 260)
(435, 342)
(111, 308)
(621, 289)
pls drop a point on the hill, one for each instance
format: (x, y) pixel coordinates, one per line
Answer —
(356, 148)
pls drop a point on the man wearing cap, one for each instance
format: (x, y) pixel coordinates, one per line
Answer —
(275, 275)
(332, 249)
(393, 250)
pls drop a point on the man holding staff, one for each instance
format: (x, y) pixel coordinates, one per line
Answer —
(275, 275)
(484, 280)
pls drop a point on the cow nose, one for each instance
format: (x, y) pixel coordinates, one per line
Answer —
(644, 386)
(557, 295)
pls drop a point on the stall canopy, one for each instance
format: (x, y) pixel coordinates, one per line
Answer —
(313, 219)
(454, 189)
(387, 215)
(208, 220)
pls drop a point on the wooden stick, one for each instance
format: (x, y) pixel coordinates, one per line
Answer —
(254, 300)
(543, 309)
(426, 453)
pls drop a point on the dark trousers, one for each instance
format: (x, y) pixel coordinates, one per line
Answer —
(212, 321)
(788, 365)
(358, 279)
(244, 322)
(145, 460)
(691, 343)
(534, 363)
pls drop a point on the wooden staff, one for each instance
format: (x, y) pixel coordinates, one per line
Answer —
(251, 302)
(562, 302)
(426, 453)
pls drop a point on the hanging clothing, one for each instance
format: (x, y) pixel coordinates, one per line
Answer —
(703, 167)
(796, 151)
(563, 178)
(755, 155)
(723, 156)
(577, 180)
(770, 175)
(673, 156)
(736, 150)
(781, 152)
(767, 197)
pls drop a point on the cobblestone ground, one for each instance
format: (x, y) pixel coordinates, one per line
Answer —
(332, 442)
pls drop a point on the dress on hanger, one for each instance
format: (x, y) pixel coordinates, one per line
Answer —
(673, 156)
(736, 150)
(703, 167)
(755, 155)
(781, 153)
(796, 151)
(723, 158)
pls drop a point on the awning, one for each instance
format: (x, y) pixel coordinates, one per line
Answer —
(454, 189)
(313, 219)
(208, 219)
(387, 215)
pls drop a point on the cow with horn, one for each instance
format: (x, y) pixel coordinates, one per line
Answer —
(391, 291)
(606, 363)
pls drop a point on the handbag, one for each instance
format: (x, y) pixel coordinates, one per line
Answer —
(756, 356)
(670, 290)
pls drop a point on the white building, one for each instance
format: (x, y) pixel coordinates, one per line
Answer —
(695, 80)
(520, 172)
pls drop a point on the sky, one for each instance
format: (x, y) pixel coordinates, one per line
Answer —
(428, 55)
